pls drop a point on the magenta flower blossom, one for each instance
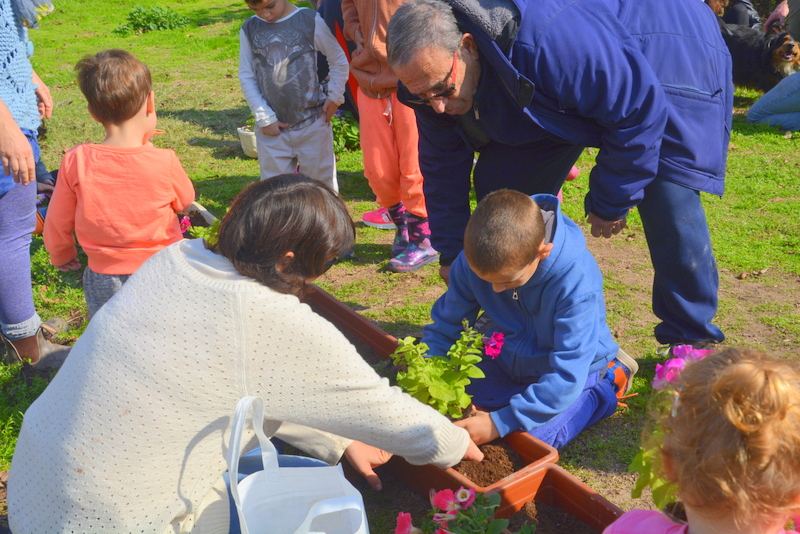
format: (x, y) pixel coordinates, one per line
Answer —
(465, 497)
(444, 500)
(671, 370)
(404, 525)
(668, 372)
(443, 519)
(689, 353)
(185, 223)
(494, 344)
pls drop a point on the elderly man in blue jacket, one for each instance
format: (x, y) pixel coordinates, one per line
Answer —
(529, 83)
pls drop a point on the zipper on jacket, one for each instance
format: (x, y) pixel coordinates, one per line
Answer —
(514, 295)
(475, 109)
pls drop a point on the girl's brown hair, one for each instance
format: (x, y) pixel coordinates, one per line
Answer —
(286, 213)
(733, 438)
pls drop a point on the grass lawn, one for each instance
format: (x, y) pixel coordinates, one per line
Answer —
(755, 227)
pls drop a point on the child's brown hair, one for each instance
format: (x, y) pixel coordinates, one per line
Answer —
(733, 437)
(115, 84)
(505, 232)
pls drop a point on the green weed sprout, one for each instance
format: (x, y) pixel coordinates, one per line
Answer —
(438, 380)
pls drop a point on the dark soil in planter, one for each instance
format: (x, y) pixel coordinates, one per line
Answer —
(500, 461)
(548, 520)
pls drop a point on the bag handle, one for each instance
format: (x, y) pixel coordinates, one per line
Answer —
(269, 455)
(329, 506)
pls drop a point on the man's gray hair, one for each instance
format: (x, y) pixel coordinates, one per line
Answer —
(418, 25)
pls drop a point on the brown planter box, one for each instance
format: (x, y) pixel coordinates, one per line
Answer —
(424, 478)
(550, 484)
(512, 489)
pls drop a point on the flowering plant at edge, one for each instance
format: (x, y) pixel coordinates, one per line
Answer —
(647, 463)
(459, 512)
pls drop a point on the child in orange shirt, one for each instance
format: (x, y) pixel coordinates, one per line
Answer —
(119, 196)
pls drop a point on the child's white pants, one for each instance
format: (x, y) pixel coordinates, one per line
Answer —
(310, 147)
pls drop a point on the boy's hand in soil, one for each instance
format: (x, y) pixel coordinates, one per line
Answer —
(328, 110)
(364, 458)
(481, 428)
(71, 265)
(274, 128)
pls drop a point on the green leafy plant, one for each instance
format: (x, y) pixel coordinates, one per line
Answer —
(345, 132)
(149, 19)
(438, 380)
(648, 463)
(209, 233)
(459, 512)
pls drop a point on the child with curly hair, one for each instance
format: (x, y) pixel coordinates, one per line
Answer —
(731, 446)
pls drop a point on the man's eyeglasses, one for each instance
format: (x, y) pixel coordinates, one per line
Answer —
(447, 93)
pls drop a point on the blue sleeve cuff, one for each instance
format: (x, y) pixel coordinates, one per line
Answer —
(505, 421)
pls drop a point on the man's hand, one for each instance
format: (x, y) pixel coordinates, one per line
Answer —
(274, 128)
(43, 99)
(364, 458)
(601, 227)
(328, 110)
(481, 428)
(71, 265)
(45, 187)
(780, 13)
(444, 273)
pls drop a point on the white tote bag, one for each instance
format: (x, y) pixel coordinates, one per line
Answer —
(290, 500)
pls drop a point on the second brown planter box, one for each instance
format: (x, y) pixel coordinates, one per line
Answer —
(422, 479)
(550, 484)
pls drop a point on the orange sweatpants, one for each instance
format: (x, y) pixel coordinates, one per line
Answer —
(389, 141)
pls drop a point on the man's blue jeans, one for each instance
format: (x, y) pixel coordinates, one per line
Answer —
(686, 279)
(780, 106)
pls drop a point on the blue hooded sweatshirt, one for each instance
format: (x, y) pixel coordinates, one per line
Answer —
(555, 331)
(647, 81)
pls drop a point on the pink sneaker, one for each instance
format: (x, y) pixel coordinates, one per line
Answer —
(378, 218)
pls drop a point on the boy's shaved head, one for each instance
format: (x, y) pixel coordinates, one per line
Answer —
(505, 232)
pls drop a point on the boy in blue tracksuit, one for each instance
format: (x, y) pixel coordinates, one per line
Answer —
(559, 369)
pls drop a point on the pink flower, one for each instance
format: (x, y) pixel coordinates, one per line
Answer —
(185, 223)
(442, 519)
(465, 497)
(687, 352)
(444, 500)
(493, 345)
(668, 373)
(404, 525)
(442, 531)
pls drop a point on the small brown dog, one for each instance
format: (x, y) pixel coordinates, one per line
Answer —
(760, 60)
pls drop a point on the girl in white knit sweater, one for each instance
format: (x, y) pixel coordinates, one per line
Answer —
(131, 435)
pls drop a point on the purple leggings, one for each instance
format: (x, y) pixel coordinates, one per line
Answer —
(18, 318)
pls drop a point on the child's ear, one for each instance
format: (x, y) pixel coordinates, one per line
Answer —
(151, 102)
(544, 250)
(285, 261)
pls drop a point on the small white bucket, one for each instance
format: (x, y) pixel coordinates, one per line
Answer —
(248, 140)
